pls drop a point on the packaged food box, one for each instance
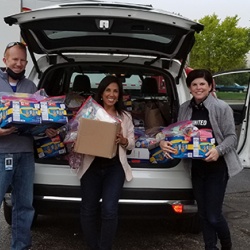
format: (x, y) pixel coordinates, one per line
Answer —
(53, 112)
(199, 147)
(180, 146)
(157, 155)
(139, 154)
(49, 147)
(192, 147)
(19, 112)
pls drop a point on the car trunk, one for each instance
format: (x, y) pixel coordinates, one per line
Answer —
(143, 87)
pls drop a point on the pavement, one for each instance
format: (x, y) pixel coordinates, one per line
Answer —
(62, 232)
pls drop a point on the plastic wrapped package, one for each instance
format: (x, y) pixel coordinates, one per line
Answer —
(90, 109)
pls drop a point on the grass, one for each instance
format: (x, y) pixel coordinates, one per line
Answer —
(231, 95)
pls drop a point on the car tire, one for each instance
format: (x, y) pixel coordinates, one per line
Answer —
(7, 210)
(191, 224)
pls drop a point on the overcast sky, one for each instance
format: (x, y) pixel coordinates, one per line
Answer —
(196, 9)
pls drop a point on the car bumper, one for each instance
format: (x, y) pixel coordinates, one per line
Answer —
(158, 202)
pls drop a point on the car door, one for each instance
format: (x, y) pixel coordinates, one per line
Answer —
(239, 102)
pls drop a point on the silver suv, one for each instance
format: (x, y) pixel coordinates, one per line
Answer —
(136, 43)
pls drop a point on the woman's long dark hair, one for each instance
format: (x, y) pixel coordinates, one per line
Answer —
(119, 105)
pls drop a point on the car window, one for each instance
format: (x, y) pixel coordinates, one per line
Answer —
(94, 79)
(232, 87)
(131, 83)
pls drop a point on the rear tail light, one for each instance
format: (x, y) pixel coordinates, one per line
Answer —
(25, 9)
(178, 208)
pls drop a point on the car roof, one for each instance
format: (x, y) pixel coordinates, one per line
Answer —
(229, 72)
(106, 27)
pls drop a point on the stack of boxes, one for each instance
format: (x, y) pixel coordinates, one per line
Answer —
(34, 118)
(194, 146)
(31, 113)
(21, 113)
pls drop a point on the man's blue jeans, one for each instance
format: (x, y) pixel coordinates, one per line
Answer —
(21, 181)
(209, 185)
(98, 182)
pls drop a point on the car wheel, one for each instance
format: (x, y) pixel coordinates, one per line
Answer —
(191, 224)
(7, 210)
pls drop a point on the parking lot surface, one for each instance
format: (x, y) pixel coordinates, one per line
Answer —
(62, 232)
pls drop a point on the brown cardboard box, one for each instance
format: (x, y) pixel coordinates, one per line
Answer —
(97, 138)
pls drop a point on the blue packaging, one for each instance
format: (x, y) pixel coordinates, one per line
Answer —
(53, 112)
(179, 144)
(19, 112)
(49, 147)
(200, 148)
(157, 155)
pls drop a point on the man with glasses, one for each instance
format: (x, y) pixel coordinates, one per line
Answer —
(16, 151)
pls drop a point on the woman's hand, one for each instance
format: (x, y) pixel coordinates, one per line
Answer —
(51, 132)
(121, 140)
(7, 131)
(212, 155)
(167, 148)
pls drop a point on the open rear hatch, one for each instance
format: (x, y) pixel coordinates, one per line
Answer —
(102, 27)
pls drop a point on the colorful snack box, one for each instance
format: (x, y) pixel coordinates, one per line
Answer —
(49, 147)
(201, 147)
(53, 112)
(192, 147)
(19, 112)
(157, 155)
(178, 145)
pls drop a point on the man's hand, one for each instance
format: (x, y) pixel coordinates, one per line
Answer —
(7, 131)
(51, 132)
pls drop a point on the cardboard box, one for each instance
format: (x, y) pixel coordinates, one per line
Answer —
(97, 138)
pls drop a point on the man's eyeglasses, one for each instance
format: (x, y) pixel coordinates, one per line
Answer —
(12, 44)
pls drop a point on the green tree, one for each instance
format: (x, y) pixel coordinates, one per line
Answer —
(221, 45)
